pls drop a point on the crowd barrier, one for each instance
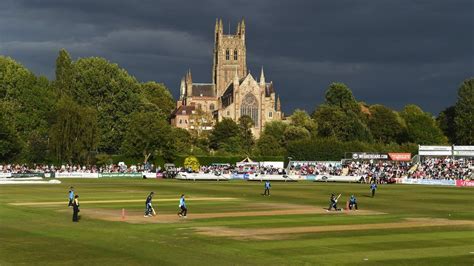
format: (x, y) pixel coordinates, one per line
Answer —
(264, 177)
(465, 183)
(202, 176)
(334, 178)
(133, 175)
(75, 175)
(417, 181)
(21, 175)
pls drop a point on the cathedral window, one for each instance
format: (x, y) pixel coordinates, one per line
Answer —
(249, 107)
(270, 114)
(235, 54)
(199, 106)
(227, 54)
(211, 107)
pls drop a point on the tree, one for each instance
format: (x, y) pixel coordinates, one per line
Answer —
(10, 146)
(183, 140)
(464, 117)
(421, 127)
(156, 98)
(25, 101)
(332, 121)
(267, 145)
(74, 132)
(225, 136)
(300, 118)
(112, 92)
(295, 133)
(275, 129)
(272, 140)
(338, 94)
(245, 126)
(383, 124)
(64, 73)
(201, 122)
(148, 134)
(446, 123)
(192, 163)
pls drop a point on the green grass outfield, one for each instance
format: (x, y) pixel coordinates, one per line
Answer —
(45, 234)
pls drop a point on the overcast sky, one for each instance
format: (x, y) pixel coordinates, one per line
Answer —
(388, 52)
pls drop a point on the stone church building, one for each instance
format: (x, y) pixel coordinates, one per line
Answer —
(233, 92)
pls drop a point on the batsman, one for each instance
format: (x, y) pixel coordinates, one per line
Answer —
(149, 211)
(333, 202)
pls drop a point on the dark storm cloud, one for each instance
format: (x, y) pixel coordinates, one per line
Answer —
(389, 52)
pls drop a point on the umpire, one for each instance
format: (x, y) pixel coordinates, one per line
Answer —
(75, 209)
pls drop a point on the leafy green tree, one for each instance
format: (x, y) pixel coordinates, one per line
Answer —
(268, 145)
(157, 98)
(64, 73)
(74, 132)
(421, 127)
(25, 101)
(332, 121)
(245, 126)
(183, 140)
(296, 133)
(275, 129)
(112, 92)
(272, 140)
(384, 125)
(225, 136)
(300, 118)
(464, 118)
(149, 134)
(10, 146)
(338, 94)
(446, 123)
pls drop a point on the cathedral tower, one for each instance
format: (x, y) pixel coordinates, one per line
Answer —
(229, 56)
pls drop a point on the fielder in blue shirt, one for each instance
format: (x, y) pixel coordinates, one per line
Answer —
(267, 188)
(373, 188)
(182, 206)
(71, 196)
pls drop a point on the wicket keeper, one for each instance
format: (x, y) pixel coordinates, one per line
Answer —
(353, 203)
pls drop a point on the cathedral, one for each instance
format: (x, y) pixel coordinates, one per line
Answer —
(233, 92)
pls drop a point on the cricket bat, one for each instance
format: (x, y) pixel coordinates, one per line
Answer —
(338, 197)
(154, 213)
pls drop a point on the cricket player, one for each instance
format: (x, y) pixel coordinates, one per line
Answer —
(353, 203)
(71, 196)
(267, 188)
(75, 209)
(333, 202)
(373, 188)
(149, 211)
(182, 206)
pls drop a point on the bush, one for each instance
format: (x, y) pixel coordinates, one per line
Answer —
(192, 163)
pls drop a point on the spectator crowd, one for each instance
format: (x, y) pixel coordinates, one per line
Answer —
(378, 171)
